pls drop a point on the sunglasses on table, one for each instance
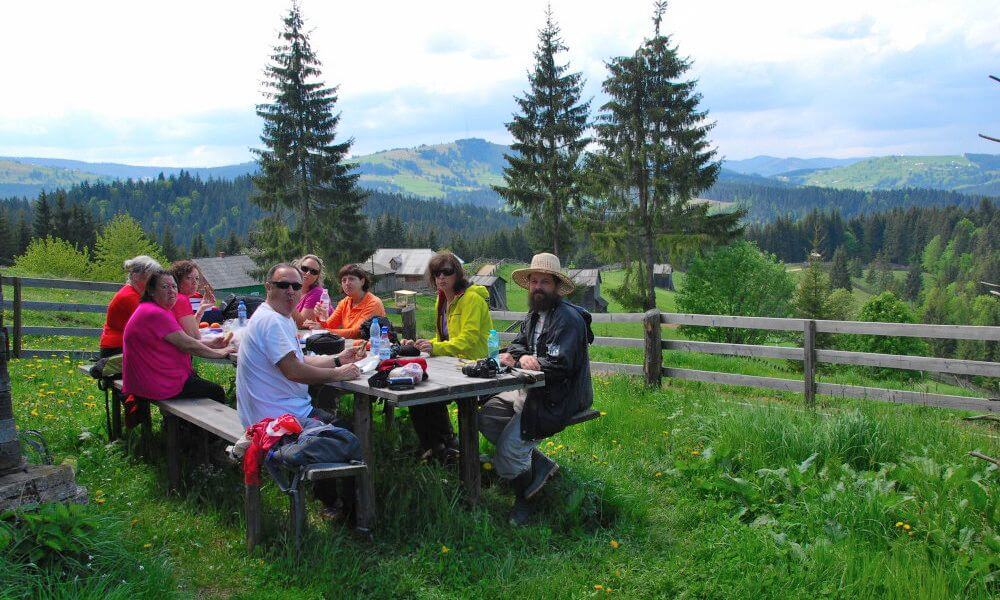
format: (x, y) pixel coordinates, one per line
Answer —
(447, 272)
(308, 270)
(284, 285)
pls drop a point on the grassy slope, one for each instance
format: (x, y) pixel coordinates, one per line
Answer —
(890, 172)
(15, 172)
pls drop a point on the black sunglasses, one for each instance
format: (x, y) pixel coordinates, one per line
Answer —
(309, 270)
(447, 272)
(284, 285)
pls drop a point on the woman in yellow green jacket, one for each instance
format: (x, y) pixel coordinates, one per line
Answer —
(463, 323)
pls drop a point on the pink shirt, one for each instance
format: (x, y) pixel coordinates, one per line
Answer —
(152, 367)
(309, 299)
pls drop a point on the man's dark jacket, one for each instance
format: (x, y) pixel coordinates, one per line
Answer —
(565, 360)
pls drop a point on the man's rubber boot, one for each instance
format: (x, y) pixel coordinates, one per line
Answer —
(520, 515)
(543, 468)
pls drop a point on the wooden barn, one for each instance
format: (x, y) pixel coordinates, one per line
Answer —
(399, 268)
(497, 287)
(663, 276)
(588, 289)
(230, 275)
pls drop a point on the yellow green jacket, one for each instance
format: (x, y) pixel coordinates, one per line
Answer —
(469, 325)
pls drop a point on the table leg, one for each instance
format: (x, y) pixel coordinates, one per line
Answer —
(468, 445)
(170, 423)
(364, 508)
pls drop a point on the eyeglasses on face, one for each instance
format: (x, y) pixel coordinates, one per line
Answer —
(447, 272)
(284, 285)
(309, 270)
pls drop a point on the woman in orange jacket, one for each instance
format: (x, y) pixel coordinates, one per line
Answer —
(358, 305)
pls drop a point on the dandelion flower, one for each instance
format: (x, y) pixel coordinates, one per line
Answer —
(147, 545)
(614, 544)
(899, 523)
(445, 549)
(598, 587)
(906, 527)
(658, 474)
(487, 466)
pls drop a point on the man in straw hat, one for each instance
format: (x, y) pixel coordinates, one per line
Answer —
(553, 339)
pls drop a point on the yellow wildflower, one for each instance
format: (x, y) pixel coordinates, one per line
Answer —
(614, 544)
(598, 587)
(906, 527)
(899, 523)
(445, 549)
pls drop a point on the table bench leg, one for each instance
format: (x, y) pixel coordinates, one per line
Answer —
(364, 508)
(297, 515)
(251, 501)
(171, 425)
(116, 415)
(468, 446)
(389, 414)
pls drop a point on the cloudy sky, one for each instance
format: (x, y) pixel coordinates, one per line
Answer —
(175, 83)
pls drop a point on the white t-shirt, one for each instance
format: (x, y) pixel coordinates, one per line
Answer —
(262, 391)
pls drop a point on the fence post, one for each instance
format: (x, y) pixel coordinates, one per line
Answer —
(17, 317)
(809, 364)
(409, 314)
(653, 359)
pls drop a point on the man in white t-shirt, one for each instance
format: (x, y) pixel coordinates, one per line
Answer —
(273, 376)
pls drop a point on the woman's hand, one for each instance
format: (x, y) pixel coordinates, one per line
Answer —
(424, 346)
(321, 312)
(221, 341)
(310, 324)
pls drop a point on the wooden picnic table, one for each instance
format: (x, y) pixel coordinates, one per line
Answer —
(445, 383)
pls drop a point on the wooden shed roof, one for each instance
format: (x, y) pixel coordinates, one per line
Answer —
(227, 272)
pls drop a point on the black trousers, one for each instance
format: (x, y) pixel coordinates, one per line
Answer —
(326, 490)
(432, 424)
(196, 387)
(106, 352)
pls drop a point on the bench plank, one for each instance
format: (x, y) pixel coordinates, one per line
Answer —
(208, 414)
(330, 470)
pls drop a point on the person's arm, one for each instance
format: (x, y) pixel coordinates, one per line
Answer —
(185, 343)
(303, 372)
(472, 330)
(336, 320)
(190, 325)
(347, 356)
(560, 365)
(518, 347)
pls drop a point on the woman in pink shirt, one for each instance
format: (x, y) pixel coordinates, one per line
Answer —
(311, 267)
(156, 363)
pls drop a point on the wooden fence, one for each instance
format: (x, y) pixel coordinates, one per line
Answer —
(18, 330)
(653, 345)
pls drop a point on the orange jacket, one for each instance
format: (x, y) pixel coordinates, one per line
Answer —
(347, 318)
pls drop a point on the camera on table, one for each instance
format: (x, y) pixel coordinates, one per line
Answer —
(483, 369)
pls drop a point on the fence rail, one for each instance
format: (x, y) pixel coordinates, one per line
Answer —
(653, 368)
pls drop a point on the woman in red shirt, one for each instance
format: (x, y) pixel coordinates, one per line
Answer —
(125, 302)
(187, 276)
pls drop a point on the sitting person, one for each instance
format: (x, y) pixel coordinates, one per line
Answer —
(463, 325)
(357, 306)
(124, 303)
(273, 376)
(554, 337)
(311, 267)
(156, 363)
(188, 277)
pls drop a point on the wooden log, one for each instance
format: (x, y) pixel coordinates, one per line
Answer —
(251, 503)
(735, 349)
(978, 454)
(653, 354)
(773, 383)
(17, 318)
(809, 362)
(468, 447)
(951, 332)
(67, 284)
(364, 510)
(913, 363)
(769, 323)
(908, 397)
(409, 314)
(59, 306)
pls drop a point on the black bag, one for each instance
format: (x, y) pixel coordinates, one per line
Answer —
(325, 343)
(316, 445)
(366, 328)
(231, 309)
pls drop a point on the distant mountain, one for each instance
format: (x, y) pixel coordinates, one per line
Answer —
(976, 174)
(110, 171)
(24, 179)
(768, 166)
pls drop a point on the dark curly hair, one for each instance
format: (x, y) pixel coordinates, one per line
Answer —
(357, 271)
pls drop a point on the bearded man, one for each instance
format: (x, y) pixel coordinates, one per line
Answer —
(554, 339)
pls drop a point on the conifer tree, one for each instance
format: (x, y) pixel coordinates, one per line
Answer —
(8, 241)
(23, 235)
(168, 244)
(199, 249)
(914, 280)
(543, 175)
(655, 157)
(840, 277)
(311, 193)
(43, 217)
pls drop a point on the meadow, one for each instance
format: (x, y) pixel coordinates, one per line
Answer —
(690, 490)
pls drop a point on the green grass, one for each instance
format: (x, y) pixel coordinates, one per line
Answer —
(707, 491)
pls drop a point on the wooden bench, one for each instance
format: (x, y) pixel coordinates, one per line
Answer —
(223, 422)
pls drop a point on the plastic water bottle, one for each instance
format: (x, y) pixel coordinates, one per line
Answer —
(384, 351)
(325, 299)
(493, 345)
(374, 336)
(241, 313)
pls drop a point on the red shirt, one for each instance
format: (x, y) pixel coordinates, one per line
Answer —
(119, 311)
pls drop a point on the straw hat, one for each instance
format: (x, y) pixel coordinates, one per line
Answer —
(548, 264)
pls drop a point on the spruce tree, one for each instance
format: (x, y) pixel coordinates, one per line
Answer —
(43, 217)
(914, 280)
(62, 219)
(199, 249)
(840, 277)
(168, 244)
(543, 176)
(23, 235)
(311, 193)
(655, 157)
(8, 241)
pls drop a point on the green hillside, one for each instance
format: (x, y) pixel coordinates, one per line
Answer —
(461, 170)
(968, 173)
(23, 179)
